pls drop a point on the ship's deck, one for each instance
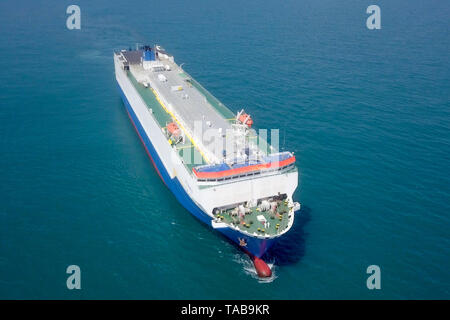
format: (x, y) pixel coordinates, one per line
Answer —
(256, 221)
(190, 155)
(192, 107)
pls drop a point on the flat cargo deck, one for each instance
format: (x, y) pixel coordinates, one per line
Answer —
(190, 105)
(174, 96)
(186, 150)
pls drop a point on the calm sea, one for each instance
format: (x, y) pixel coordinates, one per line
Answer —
(366, 112)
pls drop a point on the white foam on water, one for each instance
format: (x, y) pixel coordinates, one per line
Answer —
(249, 268)
(92, 55)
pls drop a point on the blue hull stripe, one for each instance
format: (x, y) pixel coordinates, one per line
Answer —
(255, 246)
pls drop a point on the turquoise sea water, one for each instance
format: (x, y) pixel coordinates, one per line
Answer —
(366, 112)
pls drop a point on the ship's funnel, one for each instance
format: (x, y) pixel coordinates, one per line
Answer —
(148, 54)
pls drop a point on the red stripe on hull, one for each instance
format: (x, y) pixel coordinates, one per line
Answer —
(255, 167)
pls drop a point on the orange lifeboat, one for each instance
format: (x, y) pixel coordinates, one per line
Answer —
(173, 129)
(246, 119)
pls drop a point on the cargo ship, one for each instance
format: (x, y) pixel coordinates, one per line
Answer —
(210, 158)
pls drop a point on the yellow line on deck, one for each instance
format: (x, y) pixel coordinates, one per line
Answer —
(181, 126)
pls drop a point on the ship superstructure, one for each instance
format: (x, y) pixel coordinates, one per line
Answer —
(212, 160)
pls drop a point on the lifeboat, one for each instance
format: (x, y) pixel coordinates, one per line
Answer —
(246, 119)
(173, 129)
